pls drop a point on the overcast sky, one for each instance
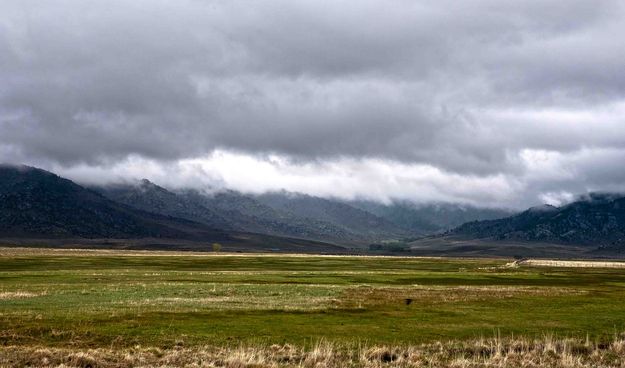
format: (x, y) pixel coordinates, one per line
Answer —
(499, 103)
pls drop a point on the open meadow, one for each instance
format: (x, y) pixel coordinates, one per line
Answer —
(116, 308)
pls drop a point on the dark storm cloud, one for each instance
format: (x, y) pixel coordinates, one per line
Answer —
(467, 87)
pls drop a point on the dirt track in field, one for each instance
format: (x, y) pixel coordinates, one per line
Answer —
(579, 264)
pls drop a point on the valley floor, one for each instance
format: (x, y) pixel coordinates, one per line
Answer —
(70, 306)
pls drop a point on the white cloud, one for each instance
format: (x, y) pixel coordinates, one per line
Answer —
(345, 178)
(557, 198)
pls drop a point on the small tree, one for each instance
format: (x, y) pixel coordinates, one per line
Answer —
(216, 247)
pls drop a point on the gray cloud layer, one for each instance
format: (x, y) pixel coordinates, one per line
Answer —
(527, 89)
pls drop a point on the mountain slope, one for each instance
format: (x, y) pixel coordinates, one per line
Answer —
(354, 220)
(225, 210)
(598, 219)
(150, 197)
(246, 212)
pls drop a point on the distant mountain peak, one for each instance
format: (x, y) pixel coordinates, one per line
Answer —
(145, 183)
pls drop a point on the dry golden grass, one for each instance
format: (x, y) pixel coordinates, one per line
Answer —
(481, 353)
(66, 252)
(5, 295)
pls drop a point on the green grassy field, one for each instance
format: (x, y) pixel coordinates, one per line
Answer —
(122, 299)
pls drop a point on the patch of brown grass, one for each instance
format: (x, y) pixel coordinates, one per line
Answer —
(371, 296)
(481, 353)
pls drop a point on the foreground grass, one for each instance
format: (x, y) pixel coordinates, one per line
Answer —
(496, 352)
(118, 300)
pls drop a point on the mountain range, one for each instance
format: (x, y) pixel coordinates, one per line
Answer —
(36, 204)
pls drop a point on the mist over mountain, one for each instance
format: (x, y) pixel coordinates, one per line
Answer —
(429, 218)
